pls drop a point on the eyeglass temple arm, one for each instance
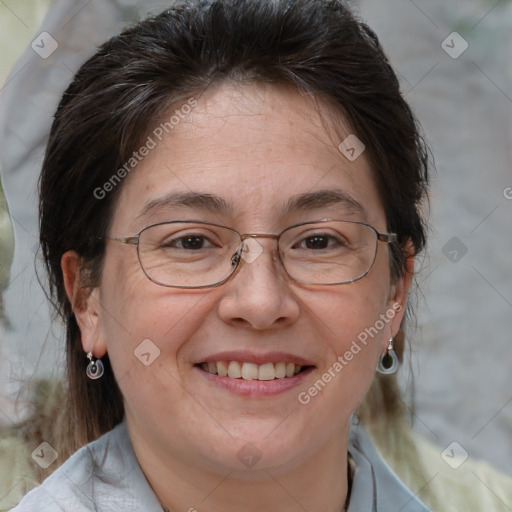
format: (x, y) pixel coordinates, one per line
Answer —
(130, 240)
(387, 237)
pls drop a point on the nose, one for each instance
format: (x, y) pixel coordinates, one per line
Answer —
(259, 295)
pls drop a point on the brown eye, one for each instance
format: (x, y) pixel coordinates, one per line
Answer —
(190, 242)
(316, 242)
(319, 242)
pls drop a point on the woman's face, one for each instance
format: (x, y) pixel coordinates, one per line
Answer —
(258, 150)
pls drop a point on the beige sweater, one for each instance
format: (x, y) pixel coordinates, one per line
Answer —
(436, 476)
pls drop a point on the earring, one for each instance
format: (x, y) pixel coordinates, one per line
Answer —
(95, 368)
(388, 362)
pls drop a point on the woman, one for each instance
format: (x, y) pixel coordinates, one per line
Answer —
(230, 212)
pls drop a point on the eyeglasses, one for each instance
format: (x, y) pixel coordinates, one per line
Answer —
(197, 254)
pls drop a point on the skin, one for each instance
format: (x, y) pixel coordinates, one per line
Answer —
(256, 147)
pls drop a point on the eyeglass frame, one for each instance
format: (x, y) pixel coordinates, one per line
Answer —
(134, 240)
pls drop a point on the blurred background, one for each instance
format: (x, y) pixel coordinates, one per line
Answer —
(454, 60)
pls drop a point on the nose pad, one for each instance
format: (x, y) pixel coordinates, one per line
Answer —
(251, 250)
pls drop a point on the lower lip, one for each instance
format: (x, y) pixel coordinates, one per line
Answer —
(256, 388)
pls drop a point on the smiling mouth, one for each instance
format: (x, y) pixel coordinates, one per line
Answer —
(252, 371)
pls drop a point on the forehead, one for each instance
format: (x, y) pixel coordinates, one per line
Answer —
(255, 150)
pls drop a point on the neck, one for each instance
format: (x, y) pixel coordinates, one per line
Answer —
(318, 483)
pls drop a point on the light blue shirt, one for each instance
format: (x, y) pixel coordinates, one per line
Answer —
(105, 476)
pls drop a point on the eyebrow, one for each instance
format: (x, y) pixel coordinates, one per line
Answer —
(215, 204)
(207, 202)
(322, 199)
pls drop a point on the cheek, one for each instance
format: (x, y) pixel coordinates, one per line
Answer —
(147, 347)
(350, 363)
(144, 324)
(349, 313)
(354, 328)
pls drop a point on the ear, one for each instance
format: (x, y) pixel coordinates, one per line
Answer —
(399, 292)
(85, 304)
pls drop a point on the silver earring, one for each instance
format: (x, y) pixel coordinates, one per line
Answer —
(388, 362)
(95, 368)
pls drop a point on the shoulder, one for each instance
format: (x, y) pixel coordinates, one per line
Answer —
(102, 475)
(463, 482)
(444, 482)
(375, 486)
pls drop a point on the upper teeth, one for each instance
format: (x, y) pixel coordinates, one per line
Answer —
(251, 371)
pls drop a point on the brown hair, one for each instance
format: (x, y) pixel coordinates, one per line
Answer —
(119, 95)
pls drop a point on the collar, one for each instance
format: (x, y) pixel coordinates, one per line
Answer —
(375, 487)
